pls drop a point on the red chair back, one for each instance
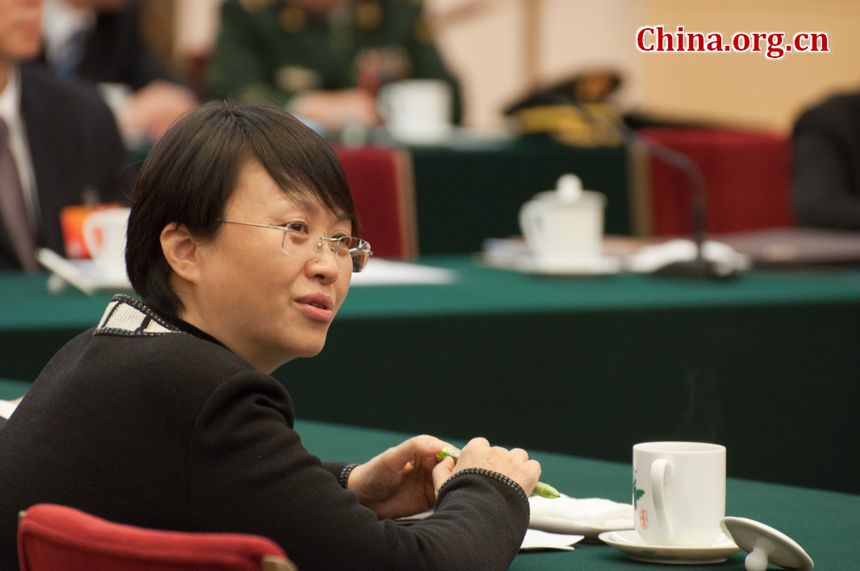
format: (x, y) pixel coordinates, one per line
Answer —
(382, 189)
(52, 537)
(747, 180)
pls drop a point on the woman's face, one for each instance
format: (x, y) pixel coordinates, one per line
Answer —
(265, 305)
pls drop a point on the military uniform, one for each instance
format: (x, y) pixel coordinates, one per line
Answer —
(577, 111)
(272, 49)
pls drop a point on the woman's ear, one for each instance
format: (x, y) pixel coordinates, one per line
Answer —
(180, 250)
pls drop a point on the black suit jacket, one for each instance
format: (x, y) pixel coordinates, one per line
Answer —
(115, 52)
(76, 150)
(826, 164)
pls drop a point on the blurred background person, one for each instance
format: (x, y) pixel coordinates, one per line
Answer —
(826, 164)
(101, 41)
(324, 60)
(59, 143)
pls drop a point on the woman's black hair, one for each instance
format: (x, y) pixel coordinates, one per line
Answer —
(189, 175)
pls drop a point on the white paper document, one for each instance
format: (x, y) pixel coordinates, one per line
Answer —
(7, 408)
(388, 272)
(85, 275)
(536, 539)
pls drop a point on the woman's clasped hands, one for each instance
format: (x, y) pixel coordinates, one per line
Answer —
(405, 479)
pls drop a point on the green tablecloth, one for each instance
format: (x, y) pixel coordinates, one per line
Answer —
(767, 364)
(467, 194)
(11, 389)
(826, 524)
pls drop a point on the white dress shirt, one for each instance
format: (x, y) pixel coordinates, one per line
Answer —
(10, 111)
(61, 24)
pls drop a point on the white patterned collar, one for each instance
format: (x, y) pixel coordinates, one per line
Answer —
(131, 317)
(125, 315)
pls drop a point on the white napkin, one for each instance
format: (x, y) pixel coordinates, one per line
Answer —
(534, 539)
(650, 258)
(585, 516)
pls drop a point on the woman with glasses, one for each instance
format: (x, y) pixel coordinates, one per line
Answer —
(241, 245)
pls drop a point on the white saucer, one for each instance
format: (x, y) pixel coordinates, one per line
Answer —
(631, 544)
(603, 265)
(591, 529)
(83, 274)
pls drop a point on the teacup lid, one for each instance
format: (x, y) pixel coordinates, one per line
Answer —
(569, 187)
(569, 191)
(765, 545)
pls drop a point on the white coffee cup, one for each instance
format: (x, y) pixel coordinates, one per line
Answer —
(564, 227)
(417, 110)
(104, 234)
(679, 492)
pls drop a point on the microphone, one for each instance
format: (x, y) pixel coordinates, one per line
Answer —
(700, 267)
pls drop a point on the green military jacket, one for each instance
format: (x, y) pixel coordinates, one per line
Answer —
(272, 49)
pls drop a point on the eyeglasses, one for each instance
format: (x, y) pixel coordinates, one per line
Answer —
(298, 242)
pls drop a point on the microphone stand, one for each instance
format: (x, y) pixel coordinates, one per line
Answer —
(699, 268)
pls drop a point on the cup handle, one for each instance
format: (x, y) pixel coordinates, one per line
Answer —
(660, 470)
(91, 235)
(529, 225)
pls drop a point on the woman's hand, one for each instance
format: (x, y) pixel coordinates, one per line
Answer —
(478, 453)
(402, 480)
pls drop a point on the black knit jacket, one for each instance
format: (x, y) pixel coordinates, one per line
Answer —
(149, 422)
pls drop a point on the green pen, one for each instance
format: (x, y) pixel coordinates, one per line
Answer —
(541, 489)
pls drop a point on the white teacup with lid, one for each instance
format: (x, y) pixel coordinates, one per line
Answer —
(104, 235)
(679, 491)
(417, 111)
(564, 227)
